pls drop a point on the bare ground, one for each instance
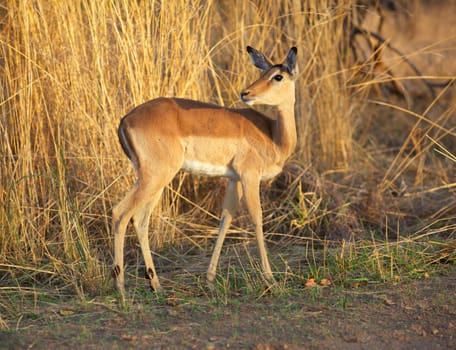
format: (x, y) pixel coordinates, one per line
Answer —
(419, 314)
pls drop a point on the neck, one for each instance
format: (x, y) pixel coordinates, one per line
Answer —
(285, 134)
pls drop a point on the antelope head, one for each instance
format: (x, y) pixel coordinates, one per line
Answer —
(277, 82)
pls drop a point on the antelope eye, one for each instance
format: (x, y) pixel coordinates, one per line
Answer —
(277, 77)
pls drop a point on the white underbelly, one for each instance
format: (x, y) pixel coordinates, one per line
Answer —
(201, 168)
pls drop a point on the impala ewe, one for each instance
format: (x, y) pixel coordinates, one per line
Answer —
(166, 135)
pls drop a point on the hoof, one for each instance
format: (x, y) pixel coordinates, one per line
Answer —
(158, 290)
(210, 284)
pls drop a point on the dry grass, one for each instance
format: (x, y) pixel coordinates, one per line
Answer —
(71, 70)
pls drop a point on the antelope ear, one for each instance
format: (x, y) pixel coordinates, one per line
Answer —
(258, 59)
(290, 60)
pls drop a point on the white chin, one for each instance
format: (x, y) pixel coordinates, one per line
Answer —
(249, 102)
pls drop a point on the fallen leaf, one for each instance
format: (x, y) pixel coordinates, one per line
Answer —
(210, 346)
(310, 283)
(66, 312)
(418, 329)
(127, 337)
(388, 301)
(325, 282)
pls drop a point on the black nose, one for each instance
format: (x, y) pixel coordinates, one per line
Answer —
(244, 94)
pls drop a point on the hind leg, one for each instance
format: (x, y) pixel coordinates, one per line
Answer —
(141, 223)
(121, 215)
(136, 203)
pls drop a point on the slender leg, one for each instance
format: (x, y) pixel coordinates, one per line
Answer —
(121, 216)
(141, 223)
(251, 188)
(136, 203)
(230, 205)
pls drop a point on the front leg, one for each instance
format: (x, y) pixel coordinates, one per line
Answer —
(251, 189)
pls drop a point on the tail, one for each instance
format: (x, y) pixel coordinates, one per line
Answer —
(125, 142)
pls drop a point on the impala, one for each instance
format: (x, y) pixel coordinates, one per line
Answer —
(166, 135)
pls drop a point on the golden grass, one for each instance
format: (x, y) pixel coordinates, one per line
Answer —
(70, 70)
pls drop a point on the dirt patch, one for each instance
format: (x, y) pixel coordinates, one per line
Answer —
(419, 314)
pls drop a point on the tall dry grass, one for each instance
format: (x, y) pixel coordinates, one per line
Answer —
(70, 70)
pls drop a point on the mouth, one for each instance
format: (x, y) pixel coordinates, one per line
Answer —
(246, 99)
